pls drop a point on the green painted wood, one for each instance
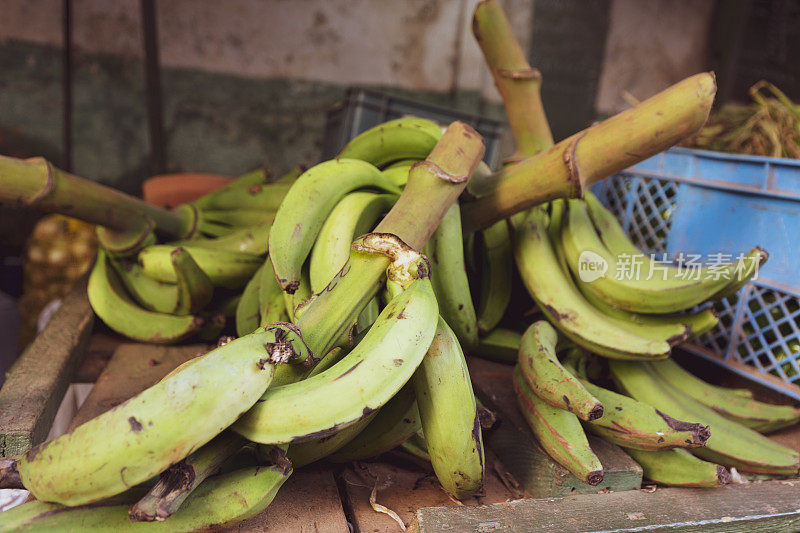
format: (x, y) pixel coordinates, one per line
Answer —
(36, 384)
(515, 445)
(766, 506)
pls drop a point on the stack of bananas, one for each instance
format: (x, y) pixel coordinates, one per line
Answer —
(379, 368)
(59, 250)
(681, 430)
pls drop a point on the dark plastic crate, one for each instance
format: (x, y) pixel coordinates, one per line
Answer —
(362, 109)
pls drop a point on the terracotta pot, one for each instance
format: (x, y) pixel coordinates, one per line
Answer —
(169, 190)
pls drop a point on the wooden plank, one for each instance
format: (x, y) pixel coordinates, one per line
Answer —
(38, 380)
(766, 506)
(516, 446)
(309, 501)
(405, 487)
(101, 347)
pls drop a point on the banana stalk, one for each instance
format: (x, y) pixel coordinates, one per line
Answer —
(37, 183)
(517, 82)
(571, 166)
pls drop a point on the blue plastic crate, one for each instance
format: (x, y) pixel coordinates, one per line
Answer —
(699, 202)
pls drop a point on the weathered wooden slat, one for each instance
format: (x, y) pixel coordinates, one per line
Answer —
(99, 350)
(405, 489)
(766, 506)
(309, 501)
(38, 380)
(515, 445)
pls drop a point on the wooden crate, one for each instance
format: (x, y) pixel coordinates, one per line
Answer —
(329, 497)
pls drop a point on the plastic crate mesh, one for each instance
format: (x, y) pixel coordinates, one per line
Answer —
(759, 326)
(647, 219)
(769, 335)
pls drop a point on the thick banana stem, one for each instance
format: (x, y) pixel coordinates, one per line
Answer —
(433, 186)
(36, 183)
(517, 82)
(571, 166)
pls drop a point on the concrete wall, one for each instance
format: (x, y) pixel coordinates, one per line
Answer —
(245, 82)
(248, 82)
(650, 45)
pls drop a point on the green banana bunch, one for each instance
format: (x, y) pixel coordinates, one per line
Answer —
(248, 310)
(445, 249)
(363, 381)
(271, 306)
(683, 326)
(254, 178)
(679, 468)
(224, 268)
(178, 481)
(655, 295)
(250, 191)
(730, 443)
(640, 426)
(565, 306)
(559, 432)
(403, 138)
(500, 344)
(223, 500)
(239, 218)
(355, 214)
(394, 424)
(160, 426)
(539, 366)
(398, 171)
(449, 415)
(191, 293)
(496, 274)
(746, 411)
(306, 206)
(251, 240)
(112, 303)
(618, 243)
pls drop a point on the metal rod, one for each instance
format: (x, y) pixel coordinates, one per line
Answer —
(152, 75)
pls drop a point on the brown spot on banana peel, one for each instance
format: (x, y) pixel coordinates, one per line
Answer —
(700, 433)
(136, 426)
(9, 475)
